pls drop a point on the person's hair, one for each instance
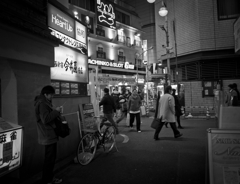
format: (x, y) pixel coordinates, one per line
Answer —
(234, 85)
(48, 90)
(173, 91)
(230, 86)
(106, 90)
(168, 89)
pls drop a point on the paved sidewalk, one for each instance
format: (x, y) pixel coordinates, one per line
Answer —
(144, 160)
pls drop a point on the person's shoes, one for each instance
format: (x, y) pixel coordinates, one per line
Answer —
(156, 138)
(56, 181)
(166, 125)
(180, 127)
(178, 135)
(131, 128)
(139, 131)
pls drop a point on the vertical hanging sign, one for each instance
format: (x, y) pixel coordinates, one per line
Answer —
(106, 14)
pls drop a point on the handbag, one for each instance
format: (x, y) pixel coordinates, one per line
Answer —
(62, 129)
(156, 122)
(128, 119)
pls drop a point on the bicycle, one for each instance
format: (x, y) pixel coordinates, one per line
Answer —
(104, 137)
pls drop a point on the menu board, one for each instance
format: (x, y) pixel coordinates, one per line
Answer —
(87, 116)
(224, 156)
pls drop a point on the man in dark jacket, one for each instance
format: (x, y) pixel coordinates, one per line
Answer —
(45, 116)
(108, 108)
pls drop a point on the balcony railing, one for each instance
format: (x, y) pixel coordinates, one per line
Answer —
(122, 39)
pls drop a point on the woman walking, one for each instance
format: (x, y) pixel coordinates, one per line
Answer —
(134, 104)
(167, 113)
(178, 111)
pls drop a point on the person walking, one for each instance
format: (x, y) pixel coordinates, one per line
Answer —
(178, 111)
(166, 112)
(46, 116)
(123, 104)
(108, 108)
(115, 95)
(134, 104)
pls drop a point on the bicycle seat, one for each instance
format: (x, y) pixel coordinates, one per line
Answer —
(89, 130)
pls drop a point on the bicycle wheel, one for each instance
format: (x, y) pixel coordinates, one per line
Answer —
(86, 149)
(109, 138)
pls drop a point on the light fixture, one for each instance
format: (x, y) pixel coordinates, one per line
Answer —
(75, 13)
(163, 10)
(137, 34)
(151, 1)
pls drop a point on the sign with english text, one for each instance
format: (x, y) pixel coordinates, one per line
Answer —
(69, 65)
(106, 14)
(125, 65)
(224, 156)
(60, 21)
(71, 32)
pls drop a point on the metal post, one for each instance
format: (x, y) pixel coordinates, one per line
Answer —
(168, 52)
(147, 83)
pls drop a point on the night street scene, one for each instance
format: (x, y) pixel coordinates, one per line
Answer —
(120, 92)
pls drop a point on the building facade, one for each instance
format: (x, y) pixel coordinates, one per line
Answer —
(201, 36)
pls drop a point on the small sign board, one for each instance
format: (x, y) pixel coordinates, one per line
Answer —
(87, 116)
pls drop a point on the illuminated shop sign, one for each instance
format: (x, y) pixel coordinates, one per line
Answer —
(116, 80)
(10, 149)
(105, 14)
(60, 21)
(125, 65)
(69, 31)
(70, 42)
(69, 65)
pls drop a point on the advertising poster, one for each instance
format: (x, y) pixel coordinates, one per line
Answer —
(69, 65)
(224, 156)
(10, 150)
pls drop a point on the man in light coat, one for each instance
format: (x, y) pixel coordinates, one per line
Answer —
(166, 111)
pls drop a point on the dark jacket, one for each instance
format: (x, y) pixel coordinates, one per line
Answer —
(134, 102)
(115, 96)
(45, 117)
(108, 104)
(178, 111)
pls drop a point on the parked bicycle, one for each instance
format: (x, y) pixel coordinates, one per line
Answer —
(103, 137)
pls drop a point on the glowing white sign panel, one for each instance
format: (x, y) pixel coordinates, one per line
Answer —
(10, 150)
(69, 65)
(70, 41)
(80, 32)
(105, 14)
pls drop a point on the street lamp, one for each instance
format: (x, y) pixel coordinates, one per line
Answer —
(163, 13)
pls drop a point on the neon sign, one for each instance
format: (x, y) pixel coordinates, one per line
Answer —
(125, 65)
(105, 14)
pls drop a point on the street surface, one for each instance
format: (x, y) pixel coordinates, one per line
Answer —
(143, 160)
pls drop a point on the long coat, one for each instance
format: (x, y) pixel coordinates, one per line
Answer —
(166, 108)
